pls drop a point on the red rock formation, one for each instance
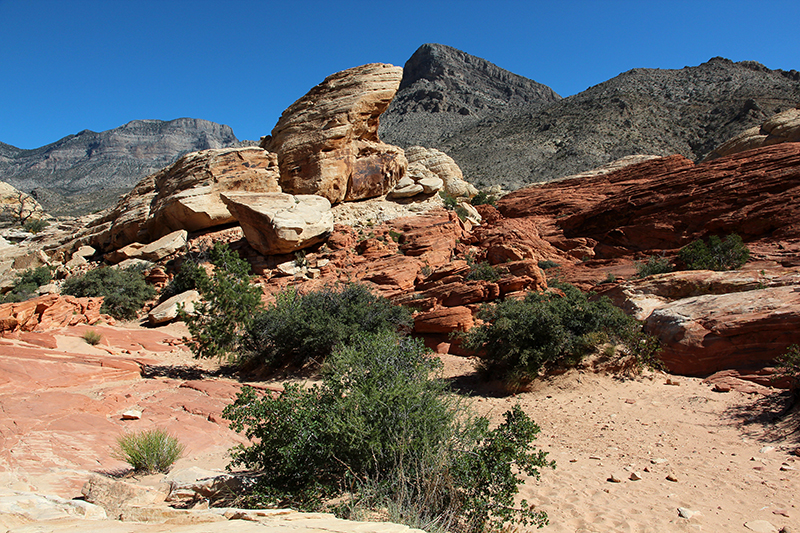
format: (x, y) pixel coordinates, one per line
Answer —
(51, 311)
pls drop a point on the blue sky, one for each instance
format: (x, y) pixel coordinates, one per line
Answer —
(70, 65)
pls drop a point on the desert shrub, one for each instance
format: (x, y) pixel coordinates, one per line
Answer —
(300, 328)
(484, 198)
(92, 337)
(547, 263)
(450, 201)
(654, 265)
(35, 225)
(520, 337)
(229, 302)
(190, 276)
(379, 433)
(482, 271)
(125, 291)
(729, 254)
(150, 451)
(789, 367)
(27, 284)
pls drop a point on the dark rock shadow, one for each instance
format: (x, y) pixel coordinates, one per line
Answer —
(769, 418)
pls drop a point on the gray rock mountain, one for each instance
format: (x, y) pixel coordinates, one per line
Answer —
(445, 91)
(87, 171)
(686, 111)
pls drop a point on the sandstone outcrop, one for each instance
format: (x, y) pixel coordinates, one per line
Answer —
(51, 311)
(779, 128)
(443, 167)
(665, 203)
(705, 334)
(17, 206)
(153, 252)
(279, 223)
(183, 196)
(327, 141)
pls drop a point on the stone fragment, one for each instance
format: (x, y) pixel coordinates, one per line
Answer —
(635, 476)
(154, 251)
(114, 495)
(613, 478)
(327, 141)
(169, 309)
(760, 526)
(672, 477)
(685, 512)
(132, 414)
(279, 223)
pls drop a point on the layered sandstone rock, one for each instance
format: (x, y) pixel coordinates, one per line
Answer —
(184, 196)
(51, 311)
(665, 203)
(327, 141)
(279, 223)
(780, 128)
(705, 334)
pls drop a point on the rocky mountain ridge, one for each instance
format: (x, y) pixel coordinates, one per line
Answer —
(687, 111)
(89, 170)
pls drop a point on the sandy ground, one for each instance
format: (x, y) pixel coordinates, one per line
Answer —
(728, 462)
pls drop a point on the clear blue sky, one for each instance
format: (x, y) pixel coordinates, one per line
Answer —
(70, 65)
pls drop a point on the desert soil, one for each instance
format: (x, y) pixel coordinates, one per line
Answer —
(718, 456)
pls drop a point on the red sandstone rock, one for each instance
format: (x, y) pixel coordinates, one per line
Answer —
(444, 320)
(51, 311)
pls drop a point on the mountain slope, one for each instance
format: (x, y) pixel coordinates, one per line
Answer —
(88, 170)
(445, 91)
(687, 111)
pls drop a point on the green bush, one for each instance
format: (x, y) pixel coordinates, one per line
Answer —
(27, 284)
(789, 366)
(229, 302)
(92, 337)
(482, 271)
(125, 291)
(547, 263)
(190, 276)
(729, 254)
(379, 433)
(300, 328)
(35, 225)
(450, 201)
(484, 198)
(654, 265)
(520, 337)
(150, 451)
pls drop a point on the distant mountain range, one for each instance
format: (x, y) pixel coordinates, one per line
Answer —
(88, 170)
(501, 128)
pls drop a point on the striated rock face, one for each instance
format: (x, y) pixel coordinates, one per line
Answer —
(279, 223)
(780, 128)
(185, 195)
(665, 203)
(705, 334)
(327, 142)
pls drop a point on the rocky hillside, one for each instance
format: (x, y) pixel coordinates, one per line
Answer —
(87, 171)
(531, 139)
(445, 91)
